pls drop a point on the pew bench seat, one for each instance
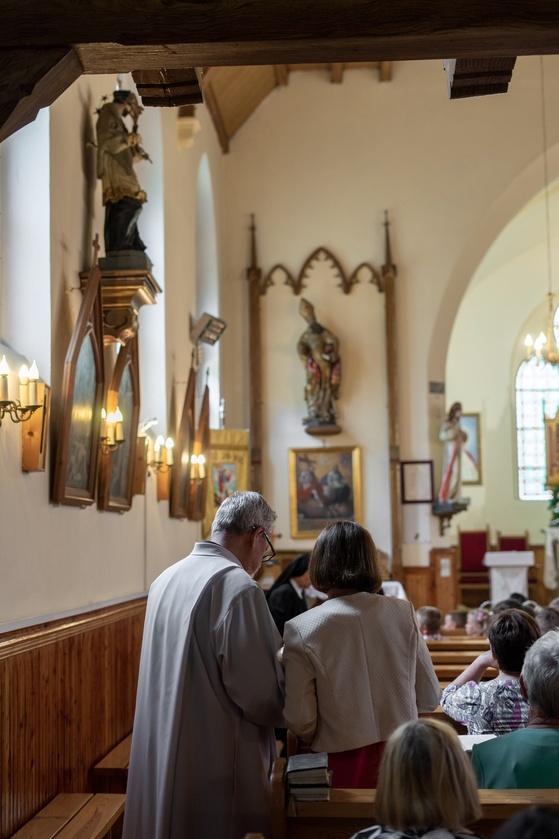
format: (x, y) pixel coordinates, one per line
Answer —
(111, 773)
(74, 815)
(351, 810)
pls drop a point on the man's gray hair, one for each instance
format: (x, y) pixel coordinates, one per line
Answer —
(243, 512)
(540, 674)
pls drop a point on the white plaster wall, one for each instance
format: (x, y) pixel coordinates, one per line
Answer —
(58, 559)
(318, 164)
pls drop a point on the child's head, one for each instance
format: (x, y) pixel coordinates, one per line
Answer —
(476, 621)
(426, 779)
(429, 620)
(511, 633)
(456, 619)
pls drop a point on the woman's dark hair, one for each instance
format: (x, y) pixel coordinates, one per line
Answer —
(511, 633)
(345, 556)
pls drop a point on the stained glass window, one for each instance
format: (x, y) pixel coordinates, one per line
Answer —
(537, 395)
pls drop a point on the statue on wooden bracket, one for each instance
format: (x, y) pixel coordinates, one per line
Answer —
(117, 151)
(453, 436)
(318, 349)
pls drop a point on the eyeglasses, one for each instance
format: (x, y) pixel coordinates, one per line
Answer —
(270, 554)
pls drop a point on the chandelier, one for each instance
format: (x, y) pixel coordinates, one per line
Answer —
(544, 348)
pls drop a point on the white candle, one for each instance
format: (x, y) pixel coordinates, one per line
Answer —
(4, 372)
(119, 431)
(194, 467)
(33, 377)
(110, 425)
(201, 466)
(157, 449)
(169, 449)
(23, 385)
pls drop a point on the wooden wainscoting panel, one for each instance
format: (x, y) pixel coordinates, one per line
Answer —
(67, 697)
(418, 583)
(443, 563)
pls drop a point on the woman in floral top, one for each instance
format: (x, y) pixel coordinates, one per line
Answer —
(426, 786)
(495, 706)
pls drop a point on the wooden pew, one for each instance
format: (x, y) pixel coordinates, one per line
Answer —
(448, 672)
(74, 815)
(111, 773)
(463, 642)
(350, 810)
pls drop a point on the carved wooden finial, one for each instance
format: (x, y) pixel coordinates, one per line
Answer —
(388, 267)
(253, 257)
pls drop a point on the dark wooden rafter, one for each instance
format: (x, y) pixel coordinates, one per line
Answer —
(281, 72)
(31, 80)
(468, 77)
(168, 88)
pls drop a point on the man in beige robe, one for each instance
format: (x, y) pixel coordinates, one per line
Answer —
(210, 689)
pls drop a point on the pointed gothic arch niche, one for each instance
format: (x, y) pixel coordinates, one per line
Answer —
(207, 282)
(347, 301)
(505, 299)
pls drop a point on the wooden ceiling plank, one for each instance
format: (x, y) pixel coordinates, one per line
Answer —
(212, 104)
(31, 80)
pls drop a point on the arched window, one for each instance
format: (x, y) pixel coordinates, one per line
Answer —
(537, 395)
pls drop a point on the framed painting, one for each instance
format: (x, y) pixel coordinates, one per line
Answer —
(77, 444)
(116, 478)
(471, 449)
(324, 485)
(417, 481)
(228, 469)
(180, 472)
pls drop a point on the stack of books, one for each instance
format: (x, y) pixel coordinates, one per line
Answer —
(308, 777)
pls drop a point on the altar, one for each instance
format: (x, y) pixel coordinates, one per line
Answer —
(508, 573)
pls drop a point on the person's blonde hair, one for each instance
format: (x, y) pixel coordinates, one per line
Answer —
(426, 780)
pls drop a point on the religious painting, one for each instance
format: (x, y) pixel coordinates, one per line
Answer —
(324, 485)
(117, 467)
(471, 449)
(228, 469)
(77, 445)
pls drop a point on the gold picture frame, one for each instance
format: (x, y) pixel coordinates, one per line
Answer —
(324, 485)
(471, 449)
(228, 469)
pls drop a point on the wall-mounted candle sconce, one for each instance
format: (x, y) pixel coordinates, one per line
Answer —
(22, 409)
(112, 430)
(162, 459)
(197, 467)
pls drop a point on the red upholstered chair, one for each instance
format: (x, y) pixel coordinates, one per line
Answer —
(473, 576)
(512, 543)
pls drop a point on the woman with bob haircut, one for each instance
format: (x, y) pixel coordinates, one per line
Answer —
(495, 706)
(356, 666)
(426, 786)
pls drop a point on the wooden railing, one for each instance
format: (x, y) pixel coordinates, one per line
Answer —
(67, 696)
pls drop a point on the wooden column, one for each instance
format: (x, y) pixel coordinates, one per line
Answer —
(254, 275)
(392, 381)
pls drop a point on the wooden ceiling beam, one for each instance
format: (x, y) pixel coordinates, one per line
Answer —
(31, 80)
(234, 32)
(212, 104)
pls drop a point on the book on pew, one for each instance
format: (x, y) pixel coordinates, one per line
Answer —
(309, 777)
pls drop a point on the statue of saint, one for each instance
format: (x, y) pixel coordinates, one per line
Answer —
(453, 437)
(318, 349)
(117, 151)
